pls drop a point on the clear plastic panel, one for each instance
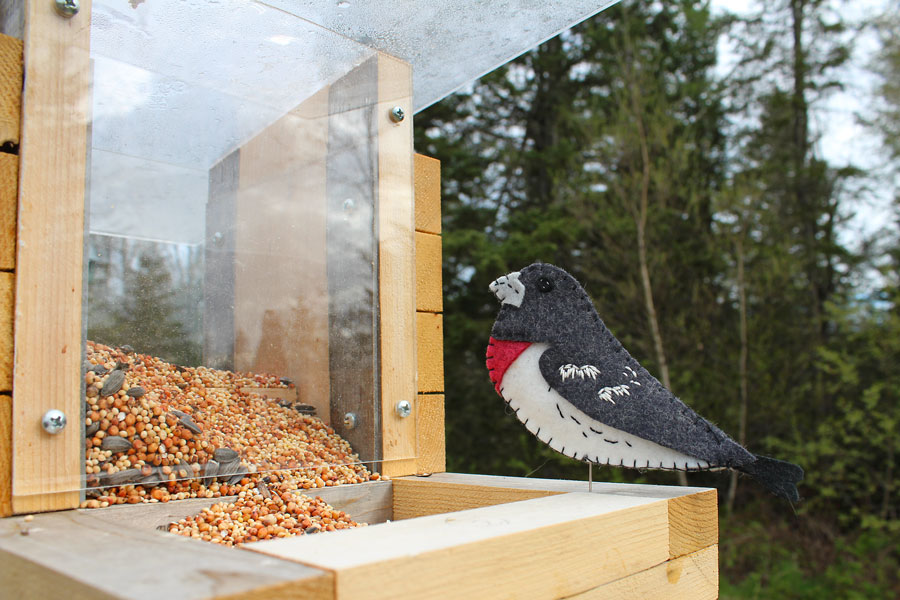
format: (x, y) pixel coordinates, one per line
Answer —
(449, 43)
(233, 250)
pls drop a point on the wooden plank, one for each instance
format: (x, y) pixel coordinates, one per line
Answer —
(280, 282)
(432, 456)
(428, 194)
(693, 512)
(219, 263)
(423, 496)
(7, 303)
(430, 352)
(550, 547)
(693, 522)
(365, 502)
(10, 91)
(23, 578)
(5, 455)
(50, 250)
(88, 557)
(694, 576)
(558, 485)
(9, 191)
(396, 266)
(351, 201)
(429, 291)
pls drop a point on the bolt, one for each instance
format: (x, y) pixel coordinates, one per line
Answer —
(350, 420)
(397, 114)
(53, 421)
(404, 408)
(67, 8)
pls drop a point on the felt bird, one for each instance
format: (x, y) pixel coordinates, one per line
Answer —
(573, 386)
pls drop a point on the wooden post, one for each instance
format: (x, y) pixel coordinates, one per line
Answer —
(10, 109)
(430, 443)
(396, 266)
(49, 264)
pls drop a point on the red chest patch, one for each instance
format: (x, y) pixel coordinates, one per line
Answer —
(500, 354)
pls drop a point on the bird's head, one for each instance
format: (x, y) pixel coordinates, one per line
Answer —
(541, 303)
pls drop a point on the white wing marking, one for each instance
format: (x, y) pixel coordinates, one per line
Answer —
(607, 393)
(570, 371)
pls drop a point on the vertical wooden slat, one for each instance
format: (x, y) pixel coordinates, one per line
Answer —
(10, 91)
(396, 208)
(429, 295)
(272, 253)
(428, 194)
(10, 114)
(431, 448)
(429, 304)
(7, 301)
(219, 261)
(50, 248)
(9, 188)
(352, 250)
(5, 455)
(430, 334)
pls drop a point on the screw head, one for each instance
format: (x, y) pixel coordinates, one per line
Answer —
(67, 8)
(397, 114)
(404, 408)
(350, 420)
(53, 421)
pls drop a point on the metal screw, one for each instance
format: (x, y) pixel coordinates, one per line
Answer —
(67, 8)
(53, 421)
(404, 408)
(350, 420)
(349, 204)
(397, 114)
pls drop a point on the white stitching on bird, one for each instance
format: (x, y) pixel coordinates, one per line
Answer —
(617, 390)
(571, 371)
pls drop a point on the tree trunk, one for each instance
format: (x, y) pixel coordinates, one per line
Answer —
(640, 217)
(742, 367)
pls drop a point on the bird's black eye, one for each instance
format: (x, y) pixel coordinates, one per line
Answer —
(544, 285)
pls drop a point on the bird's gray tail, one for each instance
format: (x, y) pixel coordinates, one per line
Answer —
(777, 476)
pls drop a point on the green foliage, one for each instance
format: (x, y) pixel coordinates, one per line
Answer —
(616, 152)
(135, 301)
(802, 560)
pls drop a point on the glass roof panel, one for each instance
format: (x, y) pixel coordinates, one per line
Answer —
(448, 42)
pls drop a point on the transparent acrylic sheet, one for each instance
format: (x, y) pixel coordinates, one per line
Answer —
(449, 43)
(233, 249)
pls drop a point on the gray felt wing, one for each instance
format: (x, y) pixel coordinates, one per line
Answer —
(616, 390)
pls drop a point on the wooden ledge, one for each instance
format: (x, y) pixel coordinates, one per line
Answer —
(523, 538)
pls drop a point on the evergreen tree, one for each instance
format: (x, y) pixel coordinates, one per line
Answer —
(145, 316)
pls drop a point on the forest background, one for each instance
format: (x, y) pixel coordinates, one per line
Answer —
(698, 211)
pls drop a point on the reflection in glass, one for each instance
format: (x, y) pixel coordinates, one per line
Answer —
(233, 252)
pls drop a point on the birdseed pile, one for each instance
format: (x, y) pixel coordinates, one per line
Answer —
(156, 432)
(266, 510)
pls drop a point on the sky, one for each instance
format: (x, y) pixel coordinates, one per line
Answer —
(844, 139)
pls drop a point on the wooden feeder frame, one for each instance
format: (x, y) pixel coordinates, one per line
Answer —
(451, 535)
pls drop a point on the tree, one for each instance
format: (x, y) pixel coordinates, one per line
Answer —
(542, 162)
(147, 313)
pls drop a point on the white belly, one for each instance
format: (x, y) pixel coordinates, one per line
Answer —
(566, 429)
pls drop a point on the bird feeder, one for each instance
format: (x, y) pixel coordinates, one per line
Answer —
(225, 194)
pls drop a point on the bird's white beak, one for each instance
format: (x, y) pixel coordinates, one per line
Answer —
(508, 289)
